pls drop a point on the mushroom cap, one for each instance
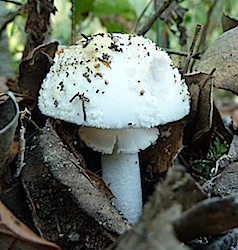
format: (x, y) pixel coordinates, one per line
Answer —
(114, 81)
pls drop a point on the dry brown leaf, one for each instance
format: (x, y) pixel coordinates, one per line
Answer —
(162, 155)
(8, 121)
(228, 22)
(223, 57)
(90, 197)
(55, 214)
(201, 90)
(15, 235)
(34, 68)
(38, 23)
(209, 217)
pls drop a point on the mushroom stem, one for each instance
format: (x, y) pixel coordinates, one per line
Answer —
(122, 173)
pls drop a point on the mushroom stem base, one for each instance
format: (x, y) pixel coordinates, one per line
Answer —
(121, 172)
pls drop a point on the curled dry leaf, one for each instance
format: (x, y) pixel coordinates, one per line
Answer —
(34, 68)
(162, 155)
(15, 235)
(8, 121)
(87, 194)
(209, 217)
(201, 90)
(38, 23)
(223, 57)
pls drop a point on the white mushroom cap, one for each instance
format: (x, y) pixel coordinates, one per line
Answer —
(114, 81)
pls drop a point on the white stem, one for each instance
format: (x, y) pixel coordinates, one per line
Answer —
(122, 173)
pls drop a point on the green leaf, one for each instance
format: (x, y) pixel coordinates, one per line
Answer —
(82, 8)
(115, 27)
(105, 7)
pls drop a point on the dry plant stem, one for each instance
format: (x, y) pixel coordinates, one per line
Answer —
(182, 53)
(22, 144)
(10, 1)
(73, 39)
(202, 44)
(141, 15)
(153, 18)
(24, 115)
(191, 49)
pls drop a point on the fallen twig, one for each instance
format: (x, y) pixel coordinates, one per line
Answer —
(153, 18)
(191, 49)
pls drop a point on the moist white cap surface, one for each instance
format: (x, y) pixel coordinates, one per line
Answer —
(114, 81)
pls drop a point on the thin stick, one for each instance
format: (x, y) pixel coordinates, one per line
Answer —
(24, 115)
(10, 1)
(153, 18)
(73, 23)
(182, 53)
(141, 15)
(191, 49)
(22, 145)
(201, 44)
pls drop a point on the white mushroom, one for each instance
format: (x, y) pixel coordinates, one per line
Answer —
(118, 87)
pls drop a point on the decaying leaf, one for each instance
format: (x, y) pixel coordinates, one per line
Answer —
(8, 121)
(38, 23)
(223, 57)
(201, 90)
(162, 155)
(175, 14)
(228, 22)
(34, 68)
(55, 214)
(15, 235)
(68, 204)
(209, 217)
(87, 194)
